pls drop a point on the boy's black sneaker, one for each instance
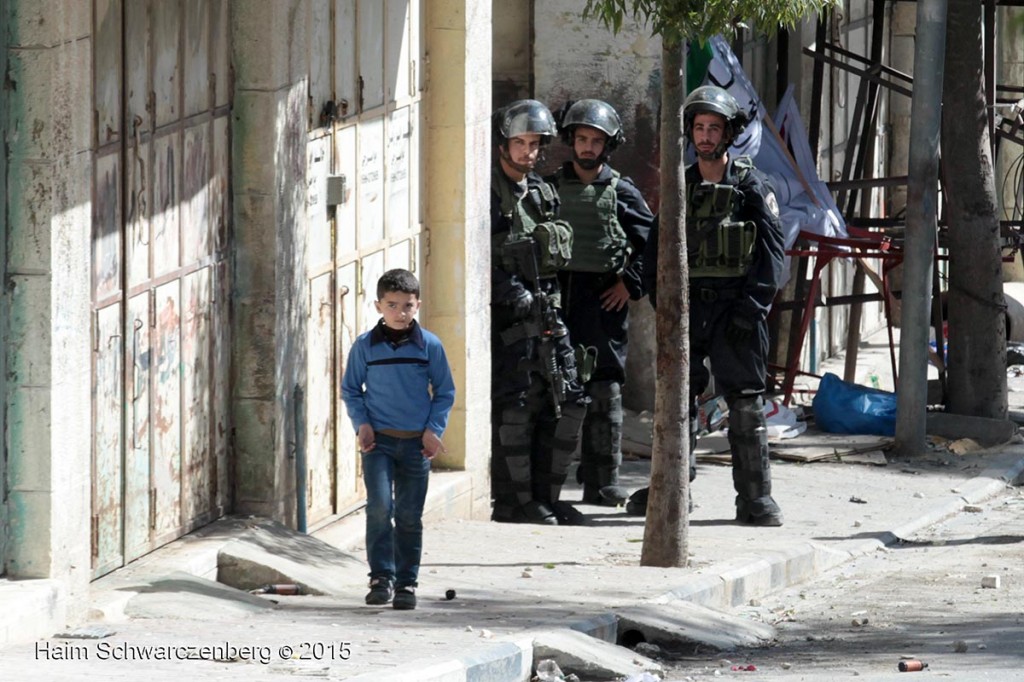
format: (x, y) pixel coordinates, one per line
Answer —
(405, 598)
(380, 592)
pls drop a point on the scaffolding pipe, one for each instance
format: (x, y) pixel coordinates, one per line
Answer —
(300, 460)
(921, 230)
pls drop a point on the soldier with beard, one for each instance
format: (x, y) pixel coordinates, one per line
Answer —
(610, 222)
(735, 252)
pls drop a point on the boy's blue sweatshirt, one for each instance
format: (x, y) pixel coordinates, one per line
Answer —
(406, 387)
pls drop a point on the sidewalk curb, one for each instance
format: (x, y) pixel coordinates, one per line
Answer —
(985, 486)
(731, 584)
(32, 609)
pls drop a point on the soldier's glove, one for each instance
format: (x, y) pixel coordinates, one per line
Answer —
(739, 331)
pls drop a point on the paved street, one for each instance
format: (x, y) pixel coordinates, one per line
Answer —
(852, 530)
(512, 579)
(951, 595)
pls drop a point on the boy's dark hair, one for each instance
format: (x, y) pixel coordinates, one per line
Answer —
(397, 280)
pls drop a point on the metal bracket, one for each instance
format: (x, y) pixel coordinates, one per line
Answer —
(336, 190)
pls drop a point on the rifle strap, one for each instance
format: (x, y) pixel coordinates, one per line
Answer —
(509, 202)
(520, 331)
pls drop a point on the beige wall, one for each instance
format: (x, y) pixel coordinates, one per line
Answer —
(457, 191)
(512, 51)
(47, 296)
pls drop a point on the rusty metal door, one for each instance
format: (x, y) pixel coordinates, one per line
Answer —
(370, 70)
(160, 277)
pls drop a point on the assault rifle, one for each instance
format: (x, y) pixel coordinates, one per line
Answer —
(519, 254)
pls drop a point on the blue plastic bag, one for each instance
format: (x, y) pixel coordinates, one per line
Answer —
(844, 407)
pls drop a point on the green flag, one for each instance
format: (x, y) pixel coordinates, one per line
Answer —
(697, 60)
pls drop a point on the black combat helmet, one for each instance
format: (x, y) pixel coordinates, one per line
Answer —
(523, 117)
(596, 114)
(712, 99)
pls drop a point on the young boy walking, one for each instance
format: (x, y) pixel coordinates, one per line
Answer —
(398, 391)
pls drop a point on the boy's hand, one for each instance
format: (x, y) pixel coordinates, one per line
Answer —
(367, 438)
(432, 445)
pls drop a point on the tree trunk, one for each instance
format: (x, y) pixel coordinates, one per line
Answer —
(665, 531)
(977, 321)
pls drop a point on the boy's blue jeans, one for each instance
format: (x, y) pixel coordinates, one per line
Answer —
(393, 549)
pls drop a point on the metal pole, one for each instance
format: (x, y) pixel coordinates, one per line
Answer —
(300, 462)
(919, 250)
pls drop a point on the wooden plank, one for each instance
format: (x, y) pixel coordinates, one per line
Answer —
(164, 221)
(348, 463)
(319, 408)
(370, 46)
(108, 442)
(166, 17)
(220, 385)
(345, 163)
(106, 228)
(107, 91)
(138, 538)
(346, 63)
(814, 445)
(370, 186)
(138, 203)
(197, 464)
(167, 412)
(196, 58)
(220, 189)
(318, 238)
(397, 172)
(195, 200)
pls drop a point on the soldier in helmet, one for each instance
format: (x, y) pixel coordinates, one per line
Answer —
(735, 255)
(610, 222)
(538, 403)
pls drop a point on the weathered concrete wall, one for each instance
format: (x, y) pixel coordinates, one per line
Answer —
(574, 59)
(3, 278)
(269, 53)
(512, 52)
(47, 291)
(1010, 71)
(458, 35)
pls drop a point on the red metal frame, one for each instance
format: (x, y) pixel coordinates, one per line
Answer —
(861, 244)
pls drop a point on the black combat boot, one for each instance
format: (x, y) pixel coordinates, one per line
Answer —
(751, 472)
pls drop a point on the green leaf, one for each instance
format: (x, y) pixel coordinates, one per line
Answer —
(678, 20)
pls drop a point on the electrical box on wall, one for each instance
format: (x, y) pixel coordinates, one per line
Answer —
(335, 190)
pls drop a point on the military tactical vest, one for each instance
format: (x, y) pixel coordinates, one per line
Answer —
(553, 236)
(717, 244)
(600, 243)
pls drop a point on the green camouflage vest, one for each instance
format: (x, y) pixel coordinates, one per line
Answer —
(600, 243)
(718, 245)
(553, 236)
